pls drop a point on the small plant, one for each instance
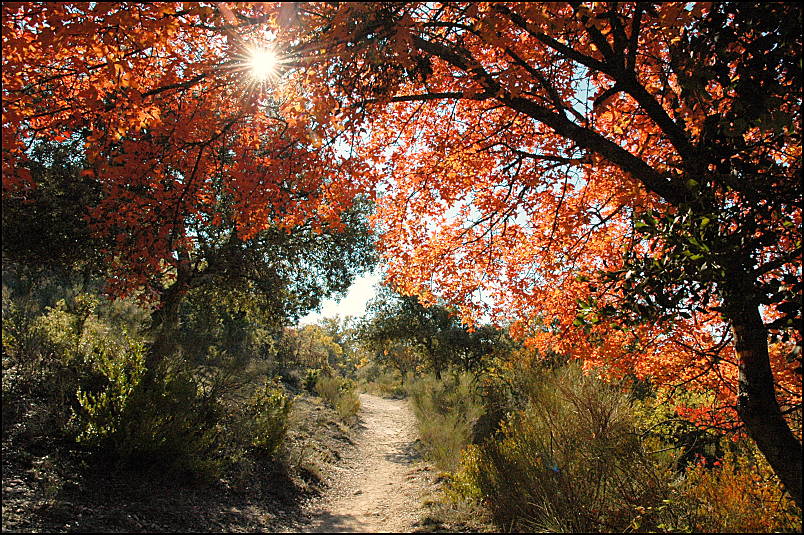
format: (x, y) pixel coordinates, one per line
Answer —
(104, 410)
(446, 412)
(310, 378)
(569, 462)
(45, 360)
(348, 405)
(340, 394)
(146, 418)
(738, 493)
(269, 408)
(389, 385)
(378, 380)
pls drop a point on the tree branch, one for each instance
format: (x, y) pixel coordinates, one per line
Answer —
(429, 96)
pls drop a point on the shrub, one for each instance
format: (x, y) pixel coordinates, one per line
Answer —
(348, 405)
(103, 411)
(663, 429)
(340, 394)
(268, 410)
(22, 338)
(507, 385)
(740, 493)
(569, 462)
(311, 376)
(384, 383)
(328, 388)
(446, 412)
(44, 362)
(145, 418)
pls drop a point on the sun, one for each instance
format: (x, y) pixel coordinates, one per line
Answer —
(262, 63)
(259, 66)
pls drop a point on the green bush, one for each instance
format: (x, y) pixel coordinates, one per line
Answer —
(663, 429)
(311, 376)
(340, 394)
(22, 338)
(268, 411)
(158, 418)
(104, 410)
(506, 387)
(68, 373)
(384, 383)
(569, 462)
(45, 355)
(446, 412)
(328, 388)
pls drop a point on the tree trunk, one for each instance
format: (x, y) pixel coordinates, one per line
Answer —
(165, 319)
(756, 400)
(164, 324)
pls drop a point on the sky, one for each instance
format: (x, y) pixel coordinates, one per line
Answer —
(353, 303)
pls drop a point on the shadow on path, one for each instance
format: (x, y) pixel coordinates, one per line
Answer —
(408, 453)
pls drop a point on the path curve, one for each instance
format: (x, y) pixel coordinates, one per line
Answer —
(379, 485)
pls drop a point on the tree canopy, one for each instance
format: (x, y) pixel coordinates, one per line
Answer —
(621, 179)
(434, 334)
(171, 119)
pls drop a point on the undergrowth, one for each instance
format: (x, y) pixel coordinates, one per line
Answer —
(339, 393)
(446, 411)
(551, 449)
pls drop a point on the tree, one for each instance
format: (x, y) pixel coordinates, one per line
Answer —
(274, 277)
(622, 178)
(172, 120)
(242, 294)
(399, 325)
(312, 346)
(44, 228)
(204, 176)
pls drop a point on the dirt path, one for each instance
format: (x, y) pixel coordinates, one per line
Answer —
(379, 485)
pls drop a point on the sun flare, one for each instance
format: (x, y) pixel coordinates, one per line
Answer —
(262, 63)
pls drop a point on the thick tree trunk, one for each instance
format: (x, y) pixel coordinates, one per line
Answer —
(165, 318)
(757, 404)
(164, 324)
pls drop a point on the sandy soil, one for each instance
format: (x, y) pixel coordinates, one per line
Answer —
(379, 485)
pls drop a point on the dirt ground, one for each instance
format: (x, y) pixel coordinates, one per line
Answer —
(379, 485)
(367, 478)
(50, 487)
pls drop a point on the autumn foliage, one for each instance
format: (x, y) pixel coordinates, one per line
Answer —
(617, 181)
(172, 122)
(620, 179)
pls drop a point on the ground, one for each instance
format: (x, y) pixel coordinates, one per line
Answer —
(369, 477)
(381, 484)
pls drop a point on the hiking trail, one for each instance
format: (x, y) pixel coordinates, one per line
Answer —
(379, 485)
